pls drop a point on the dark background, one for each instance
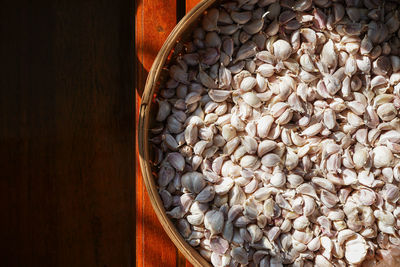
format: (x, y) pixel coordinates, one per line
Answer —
(67, 116)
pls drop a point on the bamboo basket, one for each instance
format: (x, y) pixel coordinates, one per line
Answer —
(156, 75)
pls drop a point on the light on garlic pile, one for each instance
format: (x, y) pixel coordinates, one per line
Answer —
(277, 138)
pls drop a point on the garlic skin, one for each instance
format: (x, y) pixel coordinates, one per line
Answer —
(277, 135)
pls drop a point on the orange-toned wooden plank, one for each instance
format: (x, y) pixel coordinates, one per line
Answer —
(154, 21)
(190, 4)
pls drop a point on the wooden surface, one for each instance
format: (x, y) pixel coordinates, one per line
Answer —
(70, 190)
(154, 21)
(67, 133)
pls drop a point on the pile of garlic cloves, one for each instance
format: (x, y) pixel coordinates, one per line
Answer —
(277, 140)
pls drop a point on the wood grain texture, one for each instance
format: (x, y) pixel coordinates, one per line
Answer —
(190, 4)
(66, 133)
(154, 21)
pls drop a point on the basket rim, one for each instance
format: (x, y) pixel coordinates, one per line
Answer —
(184, 24)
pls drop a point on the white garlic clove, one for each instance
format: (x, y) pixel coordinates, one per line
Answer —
(329, 199)
(387, 111)
(239, 255)
(282, 49)
(312, 130)
(328, 55)
(355, 249)
(382, 157)
(219, 95)
(270, 160)
(264, 125)
(307, 189)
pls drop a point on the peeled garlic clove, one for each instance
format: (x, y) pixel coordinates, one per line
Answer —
(219, 245)
(356, 249)
(286, 16)
(255, 233)
(265, 147)
(210, 20)
(391, 193)
(354, 120)
(206, 195)
(382, 157)
(291, 160)
(264, 126)
(312, 130)
(301, 223)
(322, 261)
(366, 178)
(224, 186)
(329, 118)
(193, 181)
(176, 160)
(309, 205)
(349, 177)
(378, 81)
(248, 161)
(307, 77)
(364, 64)
(360, 158)
(163, 111)
(294, 180)
(206, 80)
(248, 83)
(236, 195)
(391, 136)
(307, 189)
(228, 132)
(270, 160)
(195, 219)
(241, 17)
(251, 99)
(214, 221)
(219, 95)
(273, 233)
(278, 109)
(225, 77)
(350, 66)
(381, 65)
(249, 49)
(240, 255)
(328, 55)
(165, 175)
(324, 183)
(307, 63)
(387, 111)
(395, 61)
(327, 244)
(282, 49)
(302, 237)
(266, 70)
(357, 107)
(278, 179)
(254, 26)
(314, 244)
(329, 199)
